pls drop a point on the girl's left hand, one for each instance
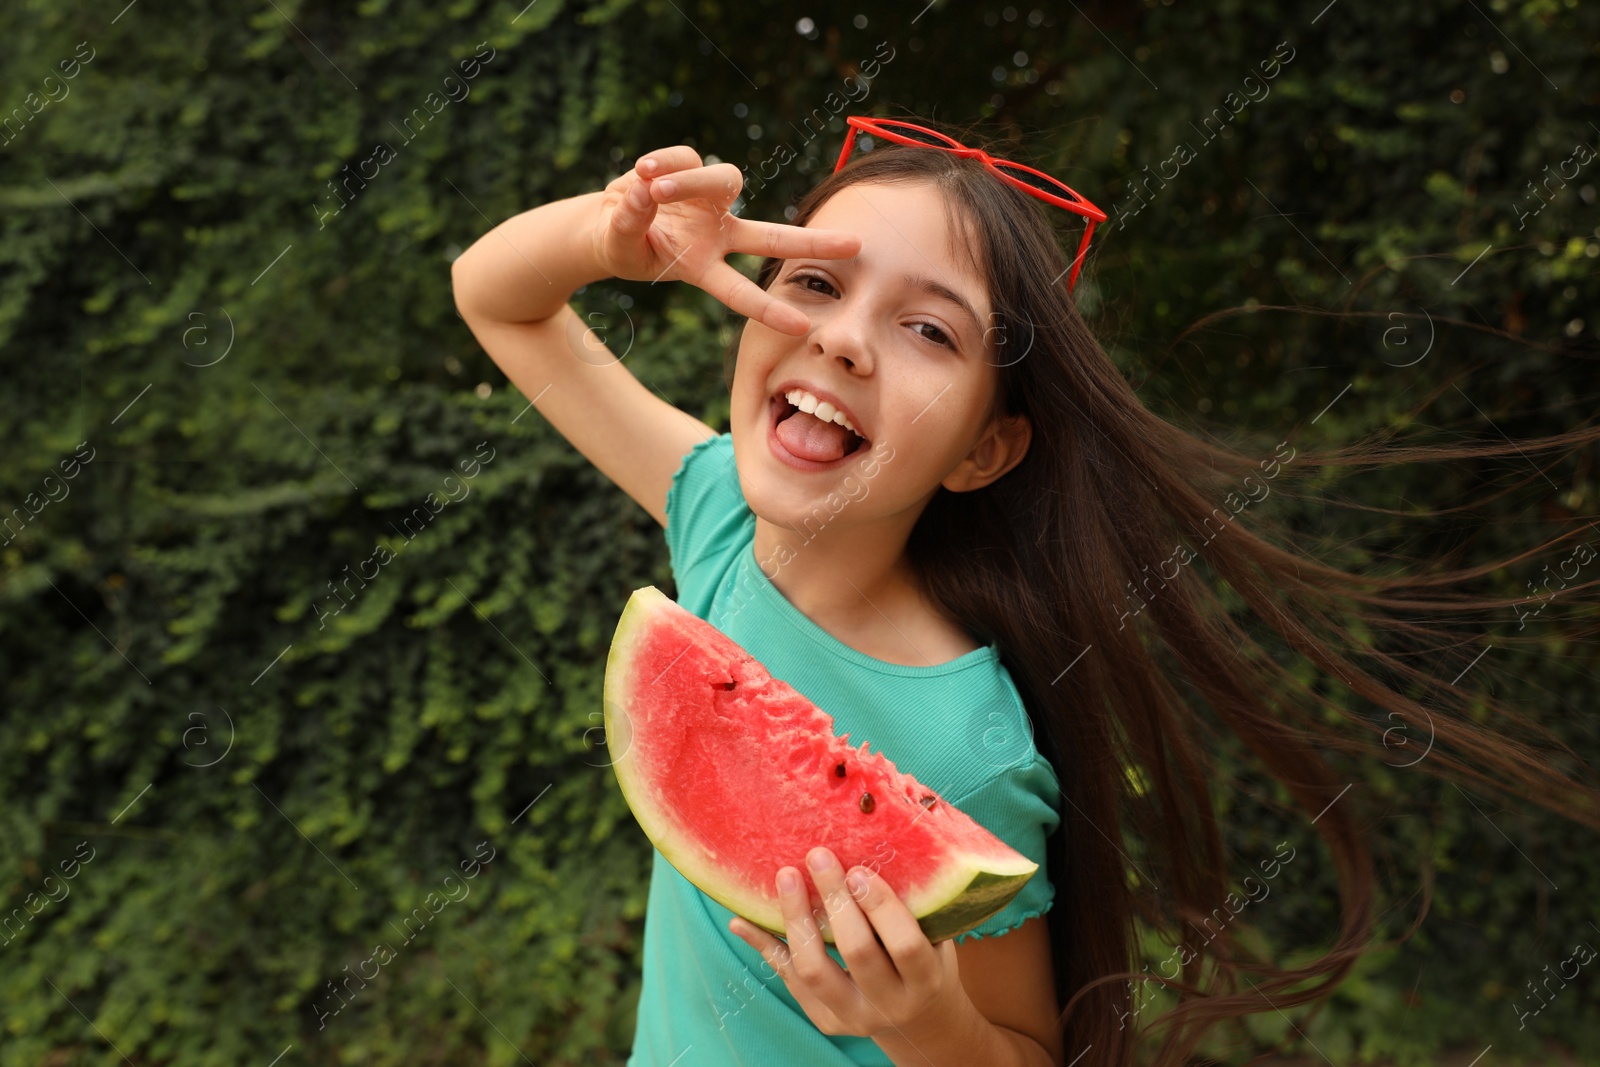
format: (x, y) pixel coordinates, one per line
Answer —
(907, 983)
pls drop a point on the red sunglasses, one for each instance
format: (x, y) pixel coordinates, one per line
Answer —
(1033, 182)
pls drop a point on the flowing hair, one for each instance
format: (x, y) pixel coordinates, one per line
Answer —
(1138, 655)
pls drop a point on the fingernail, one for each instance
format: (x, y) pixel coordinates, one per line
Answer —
(646, 166)
(819, 861)
(668, 186)
(857, 881)
(788, 880)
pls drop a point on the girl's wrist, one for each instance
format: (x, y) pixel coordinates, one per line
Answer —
(959, 1033)
(527, 268)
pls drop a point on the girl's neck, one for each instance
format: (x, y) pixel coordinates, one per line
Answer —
(856, 584)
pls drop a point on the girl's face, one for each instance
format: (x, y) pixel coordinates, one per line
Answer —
(898, 344)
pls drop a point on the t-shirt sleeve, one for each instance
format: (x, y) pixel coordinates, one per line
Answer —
(705, 510)
(1020, 805)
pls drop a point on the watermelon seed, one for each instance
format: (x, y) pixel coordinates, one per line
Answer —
(866, 801)
(928, 801)
(838, 770)
(725, 685)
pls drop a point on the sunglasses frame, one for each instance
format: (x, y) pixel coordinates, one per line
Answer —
(1079, 204)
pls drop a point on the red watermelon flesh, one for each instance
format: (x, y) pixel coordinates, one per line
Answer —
(732, 774)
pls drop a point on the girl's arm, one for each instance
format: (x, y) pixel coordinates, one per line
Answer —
(667, 219)
(524, 269)
(512, 288)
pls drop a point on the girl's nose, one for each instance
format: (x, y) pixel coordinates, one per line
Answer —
(844, 334)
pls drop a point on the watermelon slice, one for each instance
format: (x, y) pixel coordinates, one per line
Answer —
(733, 774)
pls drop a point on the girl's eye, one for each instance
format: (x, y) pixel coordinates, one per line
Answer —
(802, 279)
(941, 337)
(938, 337)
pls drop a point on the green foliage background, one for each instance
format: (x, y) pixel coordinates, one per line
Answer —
(175, 606)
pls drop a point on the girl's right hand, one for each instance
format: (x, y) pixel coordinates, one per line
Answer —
(668, 218)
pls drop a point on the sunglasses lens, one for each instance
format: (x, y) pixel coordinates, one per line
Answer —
(1038, 181)
(911, 133)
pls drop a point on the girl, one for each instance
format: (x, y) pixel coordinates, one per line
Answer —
(940, 513)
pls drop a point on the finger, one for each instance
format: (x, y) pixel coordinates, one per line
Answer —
(753, 302)
(812, 967)
(913, 955)
(774, 951)
(719, 183)
(636, 212)
(792, 242)
(852, 933)
(667, 161)
(778, 956)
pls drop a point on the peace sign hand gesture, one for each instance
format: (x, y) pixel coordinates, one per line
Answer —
(669, 218)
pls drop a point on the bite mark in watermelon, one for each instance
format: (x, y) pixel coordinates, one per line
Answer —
(733, 774)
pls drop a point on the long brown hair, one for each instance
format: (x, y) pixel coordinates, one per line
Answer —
(1130, 672)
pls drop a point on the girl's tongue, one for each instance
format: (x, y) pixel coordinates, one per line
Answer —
(810, 438)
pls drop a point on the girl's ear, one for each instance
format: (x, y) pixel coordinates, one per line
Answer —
(1001, 447)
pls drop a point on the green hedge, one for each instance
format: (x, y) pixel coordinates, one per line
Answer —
(255, 795)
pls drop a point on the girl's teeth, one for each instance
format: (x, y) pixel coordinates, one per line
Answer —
(820, 408)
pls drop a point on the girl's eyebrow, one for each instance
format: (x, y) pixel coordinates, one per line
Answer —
(923, 283)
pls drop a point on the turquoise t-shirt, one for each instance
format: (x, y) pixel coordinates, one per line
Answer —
(708, 999)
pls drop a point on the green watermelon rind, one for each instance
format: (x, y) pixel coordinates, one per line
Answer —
(981, 898)
(975, 888)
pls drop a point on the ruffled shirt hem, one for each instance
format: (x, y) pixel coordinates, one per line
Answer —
(1031, 913)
